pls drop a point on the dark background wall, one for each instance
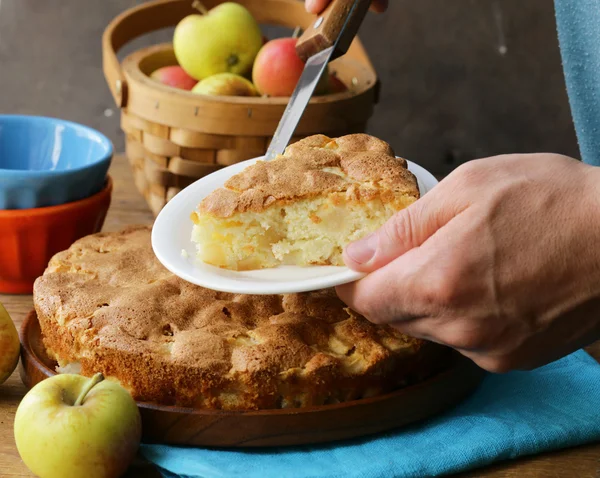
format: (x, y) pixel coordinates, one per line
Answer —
(461, 79)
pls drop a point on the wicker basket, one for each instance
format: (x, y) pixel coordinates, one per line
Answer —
(174, 137)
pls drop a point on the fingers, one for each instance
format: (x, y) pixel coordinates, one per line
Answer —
(317, 6)
(404, 231)
(382, 296)
(379, 6)
(425, 293)
(428, 281)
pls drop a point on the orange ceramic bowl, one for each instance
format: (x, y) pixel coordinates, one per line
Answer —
(30, 237)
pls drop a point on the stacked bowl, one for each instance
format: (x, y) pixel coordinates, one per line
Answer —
(54, 189)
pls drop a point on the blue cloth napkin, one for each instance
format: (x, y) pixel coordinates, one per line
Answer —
(511, 415)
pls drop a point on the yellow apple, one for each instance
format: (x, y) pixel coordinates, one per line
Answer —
(225, 84)
(70, 425)
(225, 39)
(9, 345)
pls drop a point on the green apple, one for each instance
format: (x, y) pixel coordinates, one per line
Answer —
(225, 39)
(225, 84)
(71, 426)
(9, 345)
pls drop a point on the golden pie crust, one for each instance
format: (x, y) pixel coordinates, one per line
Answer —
(357, 164)
(108, 305)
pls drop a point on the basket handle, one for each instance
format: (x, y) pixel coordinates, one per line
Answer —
(130, 24)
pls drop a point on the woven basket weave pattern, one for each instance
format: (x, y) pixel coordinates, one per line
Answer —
(164, 165)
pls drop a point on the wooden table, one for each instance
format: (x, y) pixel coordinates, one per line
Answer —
(128, 207)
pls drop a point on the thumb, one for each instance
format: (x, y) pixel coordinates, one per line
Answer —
(405, 230)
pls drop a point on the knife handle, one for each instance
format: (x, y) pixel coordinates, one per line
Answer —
(329, 26)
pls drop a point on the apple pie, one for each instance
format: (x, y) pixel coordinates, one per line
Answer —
(305, 206)
(107, 305)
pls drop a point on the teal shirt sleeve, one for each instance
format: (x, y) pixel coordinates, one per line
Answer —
(578, 23)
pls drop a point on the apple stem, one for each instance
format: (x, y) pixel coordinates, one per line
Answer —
(92, 382)
(197, 4)
(297, 32)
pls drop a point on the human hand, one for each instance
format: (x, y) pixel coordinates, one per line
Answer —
(317, 6)
(500, 261)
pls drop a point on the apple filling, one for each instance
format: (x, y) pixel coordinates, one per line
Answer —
(305, 232)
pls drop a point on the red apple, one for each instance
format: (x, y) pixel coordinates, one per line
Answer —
(336, 85)
(174, 76)
(278, 67)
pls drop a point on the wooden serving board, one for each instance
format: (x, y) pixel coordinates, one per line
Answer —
(265, 428)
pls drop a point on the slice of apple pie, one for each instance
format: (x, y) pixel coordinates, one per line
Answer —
(305, 206)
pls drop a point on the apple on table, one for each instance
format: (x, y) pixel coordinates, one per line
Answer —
(73, 426)
(9, 345)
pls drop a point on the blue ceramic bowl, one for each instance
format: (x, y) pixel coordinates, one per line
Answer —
(48, 161)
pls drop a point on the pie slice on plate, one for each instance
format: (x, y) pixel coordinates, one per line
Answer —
(305, 206)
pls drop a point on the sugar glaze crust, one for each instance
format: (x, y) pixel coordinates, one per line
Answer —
(317, 165)
(108, 304)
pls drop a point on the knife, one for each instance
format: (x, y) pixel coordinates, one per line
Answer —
(328, 38)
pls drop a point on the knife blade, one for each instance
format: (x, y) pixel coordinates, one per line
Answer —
(329, 37)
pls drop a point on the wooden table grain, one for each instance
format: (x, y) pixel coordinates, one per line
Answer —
(128, 207)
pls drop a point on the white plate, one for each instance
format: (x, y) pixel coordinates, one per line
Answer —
(172, 232)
